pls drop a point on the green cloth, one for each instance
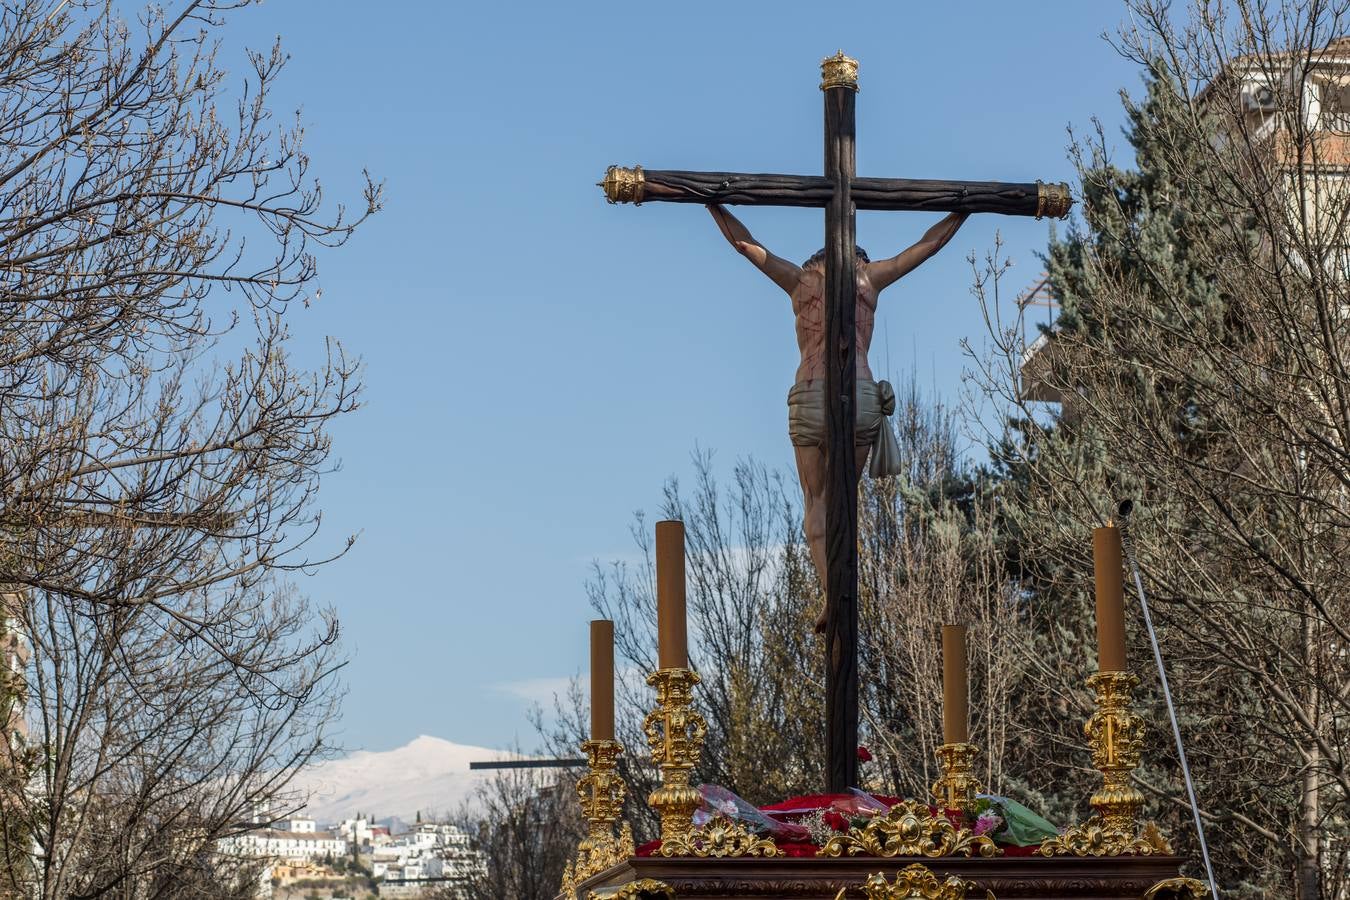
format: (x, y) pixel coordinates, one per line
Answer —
(1021, 826)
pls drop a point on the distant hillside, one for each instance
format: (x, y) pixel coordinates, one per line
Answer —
(429, 774)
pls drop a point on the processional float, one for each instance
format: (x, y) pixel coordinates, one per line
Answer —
(914, 848)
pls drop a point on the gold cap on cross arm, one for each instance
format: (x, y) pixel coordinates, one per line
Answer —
(838, 71)
(623, 185)
(1053, 200)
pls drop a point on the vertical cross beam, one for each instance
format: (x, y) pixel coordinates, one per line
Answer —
(840, 84)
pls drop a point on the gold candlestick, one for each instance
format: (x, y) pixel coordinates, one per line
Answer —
(675, 731)
(601, 789)
(956, 786)
(602, 794)
(1115, 735)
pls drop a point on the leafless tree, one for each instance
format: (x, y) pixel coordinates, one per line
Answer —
(929, 556)
(750, 586)
(527, 824)
(1204, 354)
(159, 449)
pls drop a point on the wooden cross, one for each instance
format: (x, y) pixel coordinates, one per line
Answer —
(840, 192)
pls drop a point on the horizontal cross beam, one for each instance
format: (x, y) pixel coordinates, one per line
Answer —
(568, 763)
(638, 185)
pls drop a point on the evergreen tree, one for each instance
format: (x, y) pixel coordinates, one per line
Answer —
(1197, 343)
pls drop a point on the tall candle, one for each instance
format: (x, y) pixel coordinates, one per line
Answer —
(602, 680)
(1110, 572)
(671, 625)
(955, 690)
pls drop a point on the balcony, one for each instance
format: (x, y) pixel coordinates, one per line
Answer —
(1035, 369)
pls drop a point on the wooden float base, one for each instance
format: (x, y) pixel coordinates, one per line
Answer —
(821, 878)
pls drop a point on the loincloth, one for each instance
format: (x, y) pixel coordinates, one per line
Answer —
(875, 401)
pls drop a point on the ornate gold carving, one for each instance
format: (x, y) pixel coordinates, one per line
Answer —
(1178, 889)
(720, 837)
(1053, 200)
(915, 882)
(838, 71)
(675, 732)
(1115, 733)
(956, 787)
(602, 792)
(595, 855)
(601, 789)
(642, 889)
(1095, 838)
(909, 829)
(623, 185)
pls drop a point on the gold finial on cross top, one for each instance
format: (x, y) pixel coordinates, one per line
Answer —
(839, 71)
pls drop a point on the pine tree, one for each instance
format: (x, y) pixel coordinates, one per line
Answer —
(1058, 481)
(1182, 350)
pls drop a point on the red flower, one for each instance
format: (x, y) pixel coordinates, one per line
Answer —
(864, 755)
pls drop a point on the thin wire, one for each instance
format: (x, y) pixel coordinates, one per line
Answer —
(1171, 710)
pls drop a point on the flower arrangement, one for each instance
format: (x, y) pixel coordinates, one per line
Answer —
(987, 821)
(803, 824)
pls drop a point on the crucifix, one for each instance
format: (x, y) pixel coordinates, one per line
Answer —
(840, 192)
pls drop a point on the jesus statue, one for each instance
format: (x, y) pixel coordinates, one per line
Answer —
(805, 285)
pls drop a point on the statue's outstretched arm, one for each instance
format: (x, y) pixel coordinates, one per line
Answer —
(783, 273)
(885, 272)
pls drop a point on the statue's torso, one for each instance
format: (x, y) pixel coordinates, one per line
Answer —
(808, 305)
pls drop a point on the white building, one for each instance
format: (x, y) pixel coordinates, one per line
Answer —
(454, 839)
(298, 825)
(270, 843)
(431, 855)
(357, 831)
(408, 847)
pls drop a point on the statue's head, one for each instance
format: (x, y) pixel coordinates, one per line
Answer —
(817, 259)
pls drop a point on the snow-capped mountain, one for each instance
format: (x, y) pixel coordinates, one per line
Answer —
(429, 774)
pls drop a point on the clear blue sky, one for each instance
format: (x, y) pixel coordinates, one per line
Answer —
(537, 361)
